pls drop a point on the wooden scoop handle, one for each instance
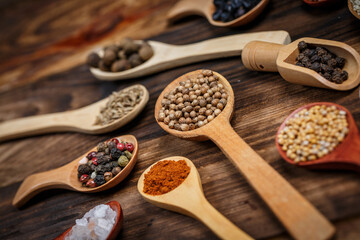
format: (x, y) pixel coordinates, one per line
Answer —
(261, 56)
(39, 182)
(186, 8)
(299, 217)
(220, 225)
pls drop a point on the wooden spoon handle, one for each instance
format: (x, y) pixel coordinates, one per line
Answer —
(36, 183)
(186, 8)
(299, 217)
(34, 125)
(261, 56)
(220, 225)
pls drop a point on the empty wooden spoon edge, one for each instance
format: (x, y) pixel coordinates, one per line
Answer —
(344, 156)
(117, 225)
(66, 177)
(188, 199)
(78, 120)
(206, 8)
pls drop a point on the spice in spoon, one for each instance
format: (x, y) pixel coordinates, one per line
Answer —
(194, 102)
(165, 176)
(356, 6)
(313, 133)
(120, 103)
(228, 10)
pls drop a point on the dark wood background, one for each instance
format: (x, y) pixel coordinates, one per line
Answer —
(43, 45)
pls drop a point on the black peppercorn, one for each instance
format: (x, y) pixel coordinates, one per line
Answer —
(114, 164)
(315, 58)
(109, 57)
(340, 62)
(93, 60)
(327, 76)
(84, 169)
(300, 57)
(326, 58)
(302, 46)
(332, 63)
(315, 66)
(101, 147)
(111, 145)
(135, 60)
(115, 153)
(103, 66)
(99, 180)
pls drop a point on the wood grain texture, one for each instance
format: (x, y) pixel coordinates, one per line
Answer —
(262, 101)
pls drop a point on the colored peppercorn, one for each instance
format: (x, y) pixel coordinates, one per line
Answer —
(84, 169)
(129, 147)
(116, 170)
(121, 146)
(108, 176)
(123, 161)
(90, 183)
(91, 155)
(94, 161)
(99, 180)
(84, 178)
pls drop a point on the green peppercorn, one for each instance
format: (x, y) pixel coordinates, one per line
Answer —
(123, 161)
(128, 154)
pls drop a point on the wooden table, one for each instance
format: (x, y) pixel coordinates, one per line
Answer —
(43, 45)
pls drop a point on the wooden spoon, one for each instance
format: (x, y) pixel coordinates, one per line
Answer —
(320, 3)
(352, 10)
(79, 120)
(65, 177)
(206, 8)
(344, 156)
(188, 199)
(117, 225)
(168, 56)
(299, 217)
(272, 57)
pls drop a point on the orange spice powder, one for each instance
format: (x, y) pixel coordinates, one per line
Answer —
(165, 176)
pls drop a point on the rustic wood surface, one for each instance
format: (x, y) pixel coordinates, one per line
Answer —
(42, 49)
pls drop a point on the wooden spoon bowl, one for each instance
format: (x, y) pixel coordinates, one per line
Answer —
(299, 217)
(188, 198)
(206, 8)
(66, 177)
(344, 156)
(117, 225)
(168, 56)
(351, 9)
(79, 120)
(270, 57)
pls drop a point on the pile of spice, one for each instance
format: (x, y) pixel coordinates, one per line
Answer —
(313, 133)
(228, 10)
(322, 61)
(96, 224)
(165, 176)
(194, 103)
(121, 56)
(100, 166)
(356, 6)
(120, 103)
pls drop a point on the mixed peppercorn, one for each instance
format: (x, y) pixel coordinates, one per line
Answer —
(194, 103)
(121, 56)
(100, 166)
(228, 10)
(322, 61)
(313, 133)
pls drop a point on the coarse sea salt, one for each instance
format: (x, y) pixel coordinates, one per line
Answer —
(356, 6)
(95, 225)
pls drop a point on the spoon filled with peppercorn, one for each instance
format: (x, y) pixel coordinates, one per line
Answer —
(220, 13)
(174, 183)
(307, 61)
(199, 106)
(103, 116)
(320, 135)
(117, 62)
(99, 169)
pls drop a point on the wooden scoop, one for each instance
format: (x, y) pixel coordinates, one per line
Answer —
(66, 177)
(168, 56)
(206, 8)
(345, 156)
(299, 217)
(79, 120)
(350, 6)
(188, 199)
(272, 57)
(117, 225)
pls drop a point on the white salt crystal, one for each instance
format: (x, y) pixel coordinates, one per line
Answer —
(84, 160)
(100, 211)
(103, 223)
(81, 222)
(101, 233)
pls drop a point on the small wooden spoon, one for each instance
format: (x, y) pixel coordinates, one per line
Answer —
(79, 120)
(344, 156)
(188, 199)
(117, 225)
(168, 56)
(66, 177)
(272, 57)
(352, 10)
(206, 8)
(299, 217)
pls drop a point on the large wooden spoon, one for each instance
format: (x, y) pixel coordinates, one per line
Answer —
(206, 8)
(272, 57)
(188, 199)
(79, 120)
(299, 217)
(168, 56)
(345, 156)
(66, 177)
